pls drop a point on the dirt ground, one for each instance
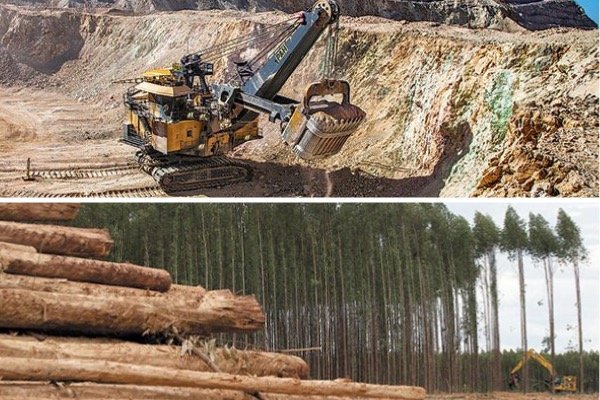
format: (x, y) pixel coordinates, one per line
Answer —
(511, 396)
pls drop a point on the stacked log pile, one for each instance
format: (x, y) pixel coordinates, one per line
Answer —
(68, 316)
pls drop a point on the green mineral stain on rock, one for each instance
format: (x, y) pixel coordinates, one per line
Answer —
(498, 99)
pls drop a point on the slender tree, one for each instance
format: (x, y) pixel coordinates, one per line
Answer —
(514, 241)
(543, 245)
(571, 250)
(487, 238)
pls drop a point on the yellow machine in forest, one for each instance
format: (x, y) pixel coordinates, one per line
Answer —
(557, 382)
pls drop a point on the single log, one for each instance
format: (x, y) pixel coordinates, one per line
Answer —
(6, 249)
(112, 372)
(38, 211)
(230, 360)
(87, 270)
(180, 295)
(218, 311)
(82, 242)
(11, 247)
(94, 391)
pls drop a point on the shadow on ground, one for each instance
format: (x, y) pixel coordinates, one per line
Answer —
(270, 179)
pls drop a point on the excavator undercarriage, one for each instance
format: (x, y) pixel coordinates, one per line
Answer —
(184, 127)
(178, 174)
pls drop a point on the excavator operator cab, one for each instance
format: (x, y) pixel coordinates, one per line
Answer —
(169, 109)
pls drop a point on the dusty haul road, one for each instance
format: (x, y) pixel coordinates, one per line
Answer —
(451, 111)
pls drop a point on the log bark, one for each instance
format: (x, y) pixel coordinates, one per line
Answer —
(6, 249)
(63, 240)
(218, 311)
(38, 211)
(87, 270)
(119, 373)
(178, 295)
(95, 391)
(11, 247)
(232, 361)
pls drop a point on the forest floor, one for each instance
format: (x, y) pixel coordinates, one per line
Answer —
(511, 396)
(60, 109)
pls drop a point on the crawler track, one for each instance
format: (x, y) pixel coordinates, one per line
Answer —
(71, 173)
(139, 192)
(84, 173)
(180, 174)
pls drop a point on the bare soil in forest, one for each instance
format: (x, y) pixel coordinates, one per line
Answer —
(451, 111)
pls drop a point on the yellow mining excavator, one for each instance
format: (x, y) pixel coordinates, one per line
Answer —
(557, 383)
(184, 126)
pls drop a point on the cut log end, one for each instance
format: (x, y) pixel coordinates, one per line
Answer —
(229, 360)
(122, 316)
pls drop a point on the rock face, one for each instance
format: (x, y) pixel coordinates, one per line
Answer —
(499, 14)
(544, 14)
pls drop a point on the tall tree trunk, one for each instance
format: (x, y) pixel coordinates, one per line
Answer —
(262, 276)
(524, 345)
(496, 362)
(579, 325)
(550, 292)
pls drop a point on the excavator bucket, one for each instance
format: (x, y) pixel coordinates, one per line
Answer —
(319, 127)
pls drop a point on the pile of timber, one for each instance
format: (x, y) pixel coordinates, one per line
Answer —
(68, 316)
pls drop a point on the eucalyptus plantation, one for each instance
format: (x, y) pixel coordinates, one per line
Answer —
(381, 293)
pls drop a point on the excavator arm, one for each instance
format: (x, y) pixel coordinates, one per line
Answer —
(313, 129)
(537, 357)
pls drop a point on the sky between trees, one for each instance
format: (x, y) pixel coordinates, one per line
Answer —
(587, 216)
